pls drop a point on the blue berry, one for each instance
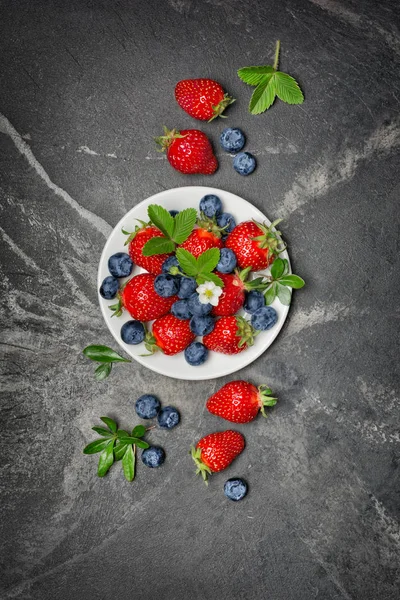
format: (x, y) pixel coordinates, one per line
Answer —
(210, 205)
(227, 221)
(196, 354)
(187, 287)
(147, 406)
(166, 285)
(197, 308)
(168, 417)
(109, 288)
(232, 139)
(227, 261)
(235, 489)
(153, 457)
(133, 332)
(264, 318)
(180, 310)
(173, 213)
(202, 325)
(254, 300)
(120, 264)
(169, 263)
(244, 163)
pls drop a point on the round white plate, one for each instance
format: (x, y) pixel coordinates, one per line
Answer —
(217, 365)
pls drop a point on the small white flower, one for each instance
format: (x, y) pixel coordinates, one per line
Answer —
(209, 293)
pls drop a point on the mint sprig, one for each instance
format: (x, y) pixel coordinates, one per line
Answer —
(175, 230)
(270, 83)
(106, 357)
(200, 268)
(280, 282)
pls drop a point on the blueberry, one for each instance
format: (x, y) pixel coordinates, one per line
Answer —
(202, 325)
(166, 285)
(264, 318)
(210, 205)
(227, 221)
(232, 139)
(109, 288)
(254, 300)
(173, 213)
(235, 489)
(196, 354)
(197, 308)
(168, 417)
(147, 406)
(153, 457)
(171, 262)
(120, 264)
(187, 287)
(180, 310)
(227, 261)
(244, 163)
(133, 332)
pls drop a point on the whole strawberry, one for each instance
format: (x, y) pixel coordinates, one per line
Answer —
(137, 240)
(230, 335)
(216, 451)
(141, 301)
(201, 240)
(233, 293)
(240, 401)
(189, 151)
(169, 334)
(202, 99)
(256, 245)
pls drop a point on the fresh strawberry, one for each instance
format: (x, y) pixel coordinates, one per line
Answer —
(201, 240)
(141, 300)
(202, 99)
(137, 240)
(233, 293)
(188, 151)
(256, 245)
(230, 335)
(169, 334)
(216, 451)
(240, 401)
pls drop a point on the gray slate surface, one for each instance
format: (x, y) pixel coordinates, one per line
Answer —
(84, 87)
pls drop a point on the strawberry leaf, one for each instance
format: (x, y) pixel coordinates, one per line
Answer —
(202, 277)
(158, 245)
(263, 96)
(161, 218)
(183, 225)
(254, 75)
(208, 260)
(106, 459)
(187, 262)
(287, 89)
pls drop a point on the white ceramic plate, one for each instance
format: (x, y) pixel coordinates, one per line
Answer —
(217, 365)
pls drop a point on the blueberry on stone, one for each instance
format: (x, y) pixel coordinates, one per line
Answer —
(253, 301)
(120, 264)
(170, 262)
(227, 221)
(202, 325)
(196, 354)
(133, 332)
(147, 406)
(180, 310)
(210, 205)
(109, 287)
(232, 139)
(153, 457)
(244, 163)
(197, 308)
(227, 261)
(187, 287)
(168, 417)
(166, 285)
(264, 318)
(173, 213)
(235, 489)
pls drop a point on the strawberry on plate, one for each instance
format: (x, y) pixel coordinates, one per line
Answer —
(188, 151)
(141, 300)
(202, 99)
(216, 451)
(230, 335)
(240, 401)
(169, 334)
(233, 293)
(201, 240)
(137, 240)
(256, 245)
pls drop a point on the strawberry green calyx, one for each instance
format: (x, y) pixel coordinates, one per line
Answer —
(270, 238)
(221, 106)
(118, 307)
(266, 398)
(164, 141)
(132, 234)
(150, 344)
(260, 283)
(245, 331)
(210, 224)
(202, 468)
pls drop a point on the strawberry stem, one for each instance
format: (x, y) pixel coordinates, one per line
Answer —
(266, 398)
(221, 106)
(277, 50)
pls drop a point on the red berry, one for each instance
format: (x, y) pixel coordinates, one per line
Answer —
(203, 99)
(232, 297)
(240, 401)
(141, 301)
(201, 240)
(189, 151)
(255, 245)
(152, 264)
(169, 334)
(230, 335)
(216, 451)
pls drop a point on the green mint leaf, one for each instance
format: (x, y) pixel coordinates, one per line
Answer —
(102, 371)
(187, 262)
(293, 281)
(142, 444)
(208, 260)
(286, 263)
(277, 268)
(287, 88)
(128, 464)
(111, 424)
(138, 431)
(263, 96)
(121, 433)
(106, 459)
(254, 75)
(119, 450)
(158, 245)
(103, 354)
(284, 294)
(96, 446)
(134, 440)
(270, 294)
(184, 223)
(102, 431)
(203, 277)
(161, 218)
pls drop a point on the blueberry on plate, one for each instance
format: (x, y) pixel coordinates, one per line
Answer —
(168, 417)
(169, 263)
(227, 221)
(232, 139)
(166, 285)
(173, 213)
(196, 354)
(180, 310)
(109, 287)
(120, 264)
(147, 406)
(133, 332)
(253, 301)
(202, 325)
(244, 163)
(235, 489)
(264, 318)
(153, 457)
(227, 261)
(197, 308)
(187, 287)
(211, 205)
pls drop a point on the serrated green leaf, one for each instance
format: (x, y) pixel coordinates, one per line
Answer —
(161, 218)
(128, 464)
(254, 75)
(103, 354)
(270, 294)
(96, 446)
(102, 371)
(208, 260)
(183, 224)
(293, 281)
(203, 277)
(106, 459)
(102, 431)
(111, 424)
(119, 451)
(287, 88)
(187, 262)
(138, 431)
(277, 268)
(284, 294)
(158, 245)
(263, 96)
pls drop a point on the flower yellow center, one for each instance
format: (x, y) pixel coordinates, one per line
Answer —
(209, 293)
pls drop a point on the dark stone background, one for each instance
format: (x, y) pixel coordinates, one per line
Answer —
(84, 87)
